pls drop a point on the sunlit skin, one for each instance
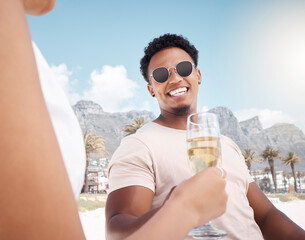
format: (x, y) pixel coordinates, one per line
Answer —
(174, 109)
(38, 7)
(31, 208)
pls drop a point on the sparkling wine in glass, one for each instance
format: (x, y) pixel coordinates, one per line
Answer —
(204, 150)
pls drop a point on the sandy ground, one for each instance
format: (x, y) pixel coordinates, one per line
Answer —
(94, 221)
(94, 224)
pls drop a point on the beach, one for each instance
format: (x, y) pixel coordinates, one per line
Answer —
(94, 221)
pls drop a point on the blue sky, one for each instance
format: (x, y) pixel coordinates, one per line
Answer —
(251, 53)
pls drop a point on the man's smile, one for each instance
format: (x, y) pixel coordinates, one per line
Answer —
(178, 91)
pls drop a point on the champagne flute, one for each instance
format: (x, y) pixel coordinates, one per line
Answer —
(204, 150)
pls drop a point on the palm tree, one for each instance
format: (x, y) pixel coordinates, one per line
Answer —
(291, 160)
(134, 126)
(269, 154)
(250, 157)
(93, 144)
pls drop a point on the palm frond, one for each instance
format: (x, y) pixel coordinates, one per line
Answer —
(134, 126)
(291, 159)
(94, 144)
(270, 152)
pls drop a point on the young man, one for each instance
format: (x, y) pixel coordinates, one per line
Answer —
(148, 164)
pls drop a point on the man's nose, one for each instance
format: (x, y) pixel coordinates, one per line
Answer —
(174, 77)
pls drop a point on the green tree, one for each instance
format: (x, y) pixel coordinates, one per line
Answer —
(93, 144)
(291, 160)
(134, 126)
(270, 154)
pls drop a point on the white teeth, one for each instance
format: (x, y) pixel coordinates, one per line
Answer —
(178, 91)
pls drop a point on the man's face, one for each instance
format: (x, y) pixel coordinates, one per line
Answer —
(178, 95)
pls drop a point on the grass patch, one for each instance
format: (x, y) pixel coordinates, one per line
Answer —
(301, 196)
(286, 197)
(89, 202)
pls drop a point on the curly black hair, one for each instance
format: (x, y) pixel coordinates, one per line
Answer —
(166, 41)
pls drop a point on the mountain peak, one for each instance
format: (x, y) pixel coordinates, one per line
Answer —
(251, 126)
(88, 107)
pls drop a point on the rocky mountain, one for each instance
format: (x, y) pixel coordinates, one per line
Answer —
(250, 134)
(246, 134)
(288, 138)
(110, 126)
(230, 127)
(253, 130)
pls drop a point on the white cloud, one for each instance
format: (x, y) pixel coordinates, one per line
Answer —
(110, 87)
(62, 77)
(267, 117)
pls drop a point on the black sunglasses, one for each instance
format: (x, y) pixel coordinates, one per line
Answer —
(161, 74)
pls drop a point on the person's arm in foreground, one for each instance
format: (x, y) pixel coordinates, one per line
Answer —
(37, 200)
(186, 208)
(273, 223)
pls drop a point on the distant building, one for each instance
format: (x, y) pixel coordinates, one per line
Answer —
(265, 182)
(97, 176)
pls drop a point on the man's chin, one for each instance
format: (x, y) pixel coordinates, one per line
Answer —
(182, 111)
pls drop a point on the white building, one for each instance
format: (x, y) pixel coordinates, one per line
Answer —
(262, 179)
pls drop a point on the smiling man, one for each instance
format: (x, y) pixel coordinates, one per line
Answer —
(175, 97)
(148, 164)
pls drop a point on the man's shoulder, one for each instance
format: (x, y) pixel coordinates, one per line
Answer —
(146, 130)
(225, 140)
(152, 135)
(149, 130)
(142, 136)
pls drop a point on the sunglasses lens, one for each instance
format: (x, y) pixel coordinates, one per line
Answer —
(184, 69)
(160, 74)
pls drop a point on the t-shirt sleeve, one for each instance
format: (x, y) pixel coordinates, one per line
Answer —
(131, 165)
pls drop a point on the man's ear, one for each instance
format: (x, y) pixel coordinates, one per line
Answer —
(198, 73)
(150, 89)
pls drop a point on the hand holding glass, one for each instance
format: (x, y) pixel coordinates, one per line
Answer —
(204, 150)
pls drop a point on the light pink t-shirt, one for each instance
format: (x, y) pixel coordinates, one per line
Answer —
(156, 158)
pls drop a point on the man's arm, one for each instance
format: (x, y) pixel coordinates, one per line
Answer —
(187, 207)
(127, 209)
(273, 223)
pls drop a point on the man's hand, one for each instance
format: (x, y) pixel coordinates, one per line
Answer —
(203, 195)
